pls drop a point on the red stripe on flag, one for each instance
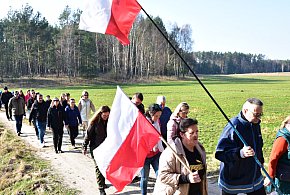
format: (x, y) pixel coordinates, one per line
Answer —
(131, 155)
(123, 14)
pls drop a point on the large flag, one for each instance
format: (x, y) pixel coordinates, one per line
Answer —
(114, 17)
(130, 137)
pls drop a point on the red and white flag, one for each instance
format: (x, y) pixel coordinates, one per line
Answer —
(114, 17)
(130, 137)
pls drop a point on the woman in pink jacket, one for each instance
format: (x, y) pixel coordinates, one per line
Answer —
(180, 112)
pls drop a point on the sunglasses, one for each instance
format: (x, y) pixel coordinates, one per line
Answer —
(258, 115)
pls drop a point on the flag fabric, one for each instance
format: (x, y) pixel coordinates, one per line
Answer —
(114, 17)
(130, 137)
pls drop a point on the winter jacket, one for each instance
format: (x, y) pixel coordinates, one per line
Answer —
(170, 170)
(85, 106)
(56, 117)
(30, 101)
(172, 126)
(237, 174)
(38, 111)
(17, 105)
(5, 97)
(96, 134)
(72, 116)
(164, 118)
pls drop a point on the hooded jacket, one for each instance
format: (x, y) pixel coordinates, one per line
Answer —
(237, 174)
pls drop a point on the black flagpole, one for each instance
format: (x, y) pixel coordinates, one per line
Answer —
(212, 98)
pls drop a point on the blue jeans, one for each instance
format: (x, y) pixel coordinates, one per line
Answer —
(154, 161)
(18, 119)
(41, 126)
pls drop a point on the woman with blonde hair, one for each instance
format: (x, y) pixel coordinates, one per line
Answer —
(279, 164)
(96, 134)
(180, 112)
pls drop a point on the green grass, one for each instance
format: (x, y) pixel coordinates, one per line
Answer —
(229, 91)
(22, 172)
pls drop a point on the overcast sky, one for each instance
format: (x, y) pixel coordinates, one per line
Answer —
(247, 26)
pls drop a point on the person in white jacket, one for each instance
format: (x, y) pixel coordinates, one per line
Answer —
(152, 114)
(85, 107)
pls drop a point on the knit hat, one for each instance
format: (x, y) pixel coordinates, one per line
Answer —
(5, 88)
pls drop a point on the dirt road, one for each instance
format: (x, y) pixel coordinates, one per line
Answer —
(76, 169)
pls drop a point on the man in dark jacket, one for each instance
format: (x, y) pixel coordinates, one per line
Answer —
(5, 97)
(72, 121)
(16, 106)
(239, 172)
(39, 112)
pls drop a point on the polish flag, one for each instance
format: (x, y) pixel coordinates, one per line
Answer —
(114, 17)
(130, 137)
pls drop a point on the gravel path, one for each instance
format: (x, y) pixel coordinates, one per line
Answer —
(76, 169)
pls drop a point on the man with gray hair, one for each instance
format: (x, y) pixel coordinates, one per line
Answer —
(16, 106)
(239, 172)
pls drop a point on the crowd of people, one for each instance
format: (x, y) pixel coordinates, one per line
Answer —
(180, 168)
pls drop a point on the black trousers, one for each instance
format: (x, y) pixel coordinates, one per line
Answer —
(260, 191)
(73, 133)
(8, 114)
(57, 135)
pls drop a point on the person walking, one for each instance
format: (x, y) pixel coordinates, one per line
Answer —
(165, 116)
(174, 177)
(39, 113)
(55, 121)
(85, 107)
(95, 135)
(27, 96)
(180, 112)
(66, 100)
(137, 99)
(16, 106)
(279, 164)
(5, 97)
(72, 121)
(152, 114)
(239, 172)
(30, 102)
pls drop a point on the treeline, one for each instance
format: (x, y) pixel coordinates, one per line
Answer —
(237, 63)
(30, 46)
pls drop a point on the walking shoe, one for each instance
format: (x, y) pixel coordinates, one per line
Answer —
(102, 192)
(56, 151)
(18, 133)
(136, 179)
(42, 145)
(60, 151)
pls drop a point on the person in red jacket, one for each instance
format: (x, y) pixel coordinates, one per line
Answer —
(279, 165)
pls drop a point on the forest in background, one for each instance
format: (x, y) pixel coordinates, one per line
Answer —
(30, 46)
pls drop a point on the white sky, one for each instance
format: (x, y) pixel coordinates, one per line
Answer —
(247, 26)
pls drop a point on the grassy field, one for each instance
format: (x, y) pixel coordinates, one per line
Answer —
(229, 91)
(22, 172)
